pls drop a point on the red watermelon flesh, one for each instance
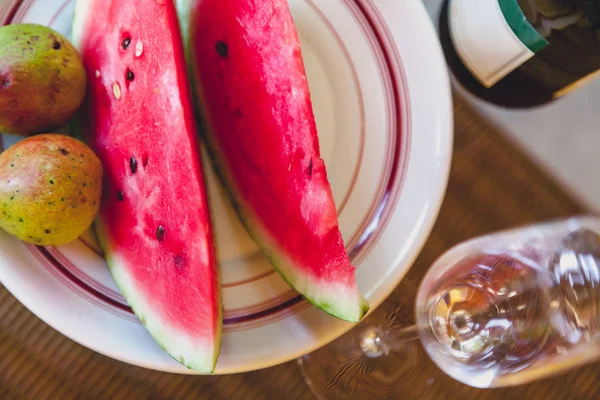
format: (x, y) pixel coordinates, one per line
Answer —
(154, 221)
(255, 104)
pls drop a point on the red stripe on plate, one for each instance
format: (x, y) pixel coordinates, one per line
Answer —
(95, 293)
(3, 13)
(91, 247)
(247, 281)
(48, 265)
(11, 11)
(20, 11)
(401, 151)
(85, 278)
(369, 223)
(59, 11)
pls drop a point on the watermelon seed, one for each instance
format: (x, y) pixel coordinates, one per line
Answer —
(47, 231)
(51, 182)
(139, 48)
(133, 165)
(145, 160)
(178, 260)
(120, 195)
(222, 49)
(97, 74)
(310, 168)
(5, 83)
(160, 233)
(126, 43)
(117, 90)
(129, 75)
(64, 152)
(56, 45)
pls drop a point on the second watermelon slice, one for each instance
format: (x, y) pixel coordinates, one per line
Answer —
(258, 122)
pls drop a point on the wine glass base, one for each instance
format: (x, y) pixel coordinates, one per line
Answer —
(342, 371)
(361, 366)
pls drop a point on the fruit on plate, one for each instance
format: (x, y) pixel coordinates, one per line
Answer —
(50, 189)
(258, 122)
(154, 222)
(42, 81)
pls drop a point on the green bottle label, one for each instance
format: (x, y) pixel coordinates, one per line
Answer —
(492, 37)
(520, 25)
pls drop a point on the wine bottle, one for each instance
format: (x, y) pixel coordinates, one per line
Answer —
(521, 53)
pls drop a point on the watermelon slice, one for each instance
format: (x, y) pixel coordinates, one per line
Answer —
(259, 126)
(154, 220)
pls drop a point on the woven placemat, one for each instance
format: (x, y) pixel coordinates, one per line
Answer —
(492, 186)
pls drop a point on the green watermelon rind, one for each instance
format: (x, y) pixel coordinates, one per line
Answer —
(203, 363)
(342, 309)
(279, 261)
(153, 326)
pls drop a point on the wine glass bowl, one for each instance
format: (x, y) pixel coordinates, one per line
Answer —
(505, 308)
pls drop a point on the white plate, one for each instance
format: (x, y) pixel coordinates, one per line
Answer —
(383, 108)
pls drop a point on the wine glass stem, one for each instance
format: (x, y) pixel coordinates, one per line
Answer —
(376, 342)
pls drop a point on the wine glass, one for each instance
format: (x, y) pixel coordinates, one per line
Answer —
(499, 310)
